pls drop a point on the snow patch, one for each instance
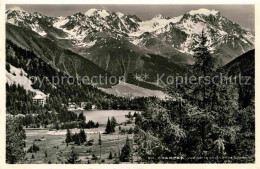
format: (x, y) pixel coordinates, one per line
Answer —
(90, 12)
(36, 28)
(102, 13)
(82, 44)
(204, 11)
(154, 24)
(60, 22)
(119, 14)
(159, 16)
(16, 8)
(19, 76)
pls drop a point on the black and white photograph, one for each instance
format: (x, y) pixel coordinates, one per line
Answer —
(130, 84)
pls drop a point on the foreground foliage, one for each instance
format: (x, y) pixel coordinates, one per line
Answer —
(200, 122)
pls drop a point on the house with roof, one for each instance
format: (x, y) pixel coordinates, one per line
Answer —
(72, 106)
(39, 100)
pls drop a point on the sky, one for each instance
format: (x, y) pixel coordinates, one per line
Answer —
(244, 15)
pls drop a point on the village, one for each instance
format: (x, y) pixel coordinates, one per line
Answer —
(48, 143)
(42, 99)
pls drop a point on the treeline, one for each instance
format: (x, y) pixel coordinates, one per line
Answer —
(111, 124)
(15, 141)
(77, 138)
(79, 123)
(19, 101)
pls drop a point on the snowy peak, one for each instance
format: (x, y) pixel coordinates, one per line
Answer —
(160, 16)
(119, 14)
(204, 11)
(16, 8)
(84, 30)
(16, 12)
(97, 12)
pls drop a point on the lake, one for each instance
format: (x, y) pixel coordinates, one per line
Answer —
(101, 116)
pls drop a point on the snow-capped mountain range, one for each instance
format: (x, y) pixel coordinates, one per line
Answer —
(99, 42)
(178, 32)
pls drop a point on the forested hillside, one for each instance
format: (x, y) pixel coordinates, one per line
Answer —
(42, 74)
(202, 122)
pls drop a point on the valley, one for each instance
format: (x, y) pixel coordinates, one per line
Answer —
(57, 114)
(53, 148)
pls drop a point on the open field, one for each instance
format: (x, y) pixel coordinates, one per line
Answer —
(127, 89)
(53, 142)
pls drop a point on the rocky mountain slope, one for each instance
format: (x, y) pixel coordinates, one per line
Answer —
(103, 42)
(161, 35)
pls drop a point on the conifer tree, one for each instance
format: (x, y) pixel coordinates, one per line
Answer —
(72, 159)
(82, 117)
(15, 137)
(83, 135)
(108, 127)
(68, 137)
(126, 151)
(199, 119)
(110, 155)
(99, 143)
(113, 123)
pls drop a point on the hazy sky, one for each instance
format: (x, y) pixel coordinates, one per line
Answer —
(241, 14)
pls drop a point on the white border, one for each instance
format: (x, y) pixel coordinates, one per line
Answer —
(3, 165)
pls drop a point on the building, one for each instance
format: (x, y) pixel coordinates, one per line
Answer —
(93, 107)
(83, 104)
(72, 105)
(39, 100)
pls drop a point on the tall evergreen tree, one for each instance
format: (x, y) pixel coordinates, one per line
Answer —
(108, 127)
(99, 143)
(113, 123)
(73, 158)
(126, 151)
(82, 117)
(68, 137)
(203, 69)
(83, 135)
(110, 155)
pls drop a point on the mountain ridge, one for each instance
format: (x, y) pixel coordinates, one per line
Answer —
(124, 45)
(187, 27)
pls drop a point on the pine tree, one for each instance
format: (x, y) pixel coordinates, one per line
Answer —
(72, 159)
(204, 61)
(15, 137)
(82, 117)
(198, 121)
(68, 137)
(126, 151)
(83, 136)
(108, 127)
(203, 68)
(46, 155)
(110, 155)
(56, 125)
(97, 125)
(77, 138)
(99, 143)
(113, 122)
